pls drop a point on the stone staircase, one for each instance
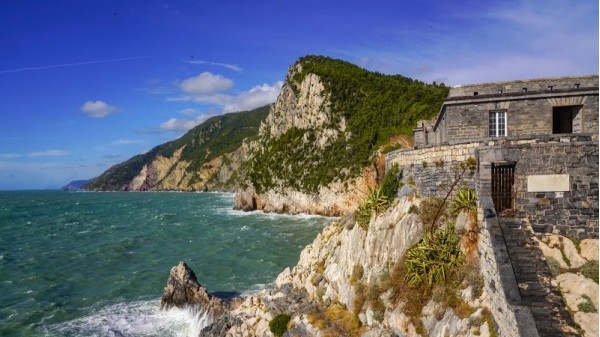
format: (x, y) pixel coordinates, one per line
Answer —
(533, 278)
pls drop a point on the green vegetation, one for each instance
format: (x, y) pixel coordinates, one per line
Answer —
(463, 200)
(374, 106)
(554, 266)
(214, 137)
(390, 183)
(434, 258)
(590, 270)
(379, 199)
(587, 305)
(278, 325)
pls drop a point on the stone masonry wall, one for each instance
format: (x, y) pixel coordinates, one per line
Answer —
(574, 213)
(429, 169)
(559, 83)
(525, 116)
(512, 318)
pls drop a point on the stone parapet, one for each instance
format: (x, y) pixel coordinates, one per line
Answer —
(512, 318)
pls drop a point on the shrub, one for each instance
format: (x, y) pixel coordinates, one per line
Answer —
(433, 259)
(389, 186)
(428, 210)
(376, 202)
(590, 270)
(278, 325)
(464, 200)
(553, 265)
(357, 273)
(587, 305)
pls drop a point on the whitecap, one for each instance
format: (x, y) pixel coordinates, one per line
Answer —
(140, 318)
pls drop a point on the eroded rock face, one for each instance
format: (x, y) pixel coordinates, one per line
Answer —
(183, 290)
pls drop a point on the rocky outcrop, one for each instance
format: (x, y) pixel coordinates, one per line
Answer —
(320, 292)
(335, 199)
(183, 290)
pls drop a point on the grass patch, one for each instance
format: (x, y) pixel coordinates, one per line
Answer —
(336, 321)
(554, 266)
(590, 270)
(587, 305)
(279, 324)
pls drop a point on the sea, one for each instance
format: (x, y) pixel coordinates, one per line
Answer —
(96, 263)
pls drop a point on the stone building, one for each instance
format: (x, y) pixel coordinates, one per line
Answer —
(536, 146)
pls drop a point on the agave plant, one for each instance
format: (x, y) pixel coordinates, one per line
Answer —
(433, 259)
(464, 200)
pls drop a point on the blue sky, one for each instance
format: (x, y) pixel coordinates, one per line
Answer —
(88, 84)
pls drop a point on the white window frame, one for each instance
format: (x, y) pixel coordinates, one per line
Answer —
(494, 120)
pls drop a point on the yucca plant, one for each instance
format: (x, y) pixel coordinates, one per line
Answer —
(464, 200)
(376, 202)
(434, 258)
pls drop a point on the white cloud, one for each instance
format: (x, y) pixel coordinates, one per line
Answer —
(256, 97)
(206, 84)
(183, 125)
(189, 111)
(9, 155)
(127, 142)
(98, 109)
(225, 65)
(47, 153)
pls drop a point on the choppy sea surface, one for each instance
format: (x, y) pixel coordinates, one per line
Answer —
(95, 264)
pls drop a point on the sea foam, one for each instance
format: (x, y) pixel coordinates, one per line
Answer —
(134, 319)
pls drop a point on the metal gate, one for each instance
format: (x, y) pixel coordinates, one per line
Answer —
(503, 179)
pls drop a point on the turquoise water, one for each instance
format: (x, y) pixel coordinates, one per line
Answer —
(95, 264)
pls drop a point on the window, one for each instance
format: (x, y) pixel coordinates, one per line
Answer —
(498, 123)
(566, 119)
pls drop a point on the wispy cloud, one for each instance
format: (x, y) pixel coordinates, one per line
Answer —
(256, 97)
(71, 64)
(98, 109)
(218, 64)
(47, 153)
(128, 141)
(183, 125)
(34, 154)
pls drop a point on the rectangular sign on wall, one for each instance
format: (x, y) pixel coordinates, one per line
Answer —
(548, 183)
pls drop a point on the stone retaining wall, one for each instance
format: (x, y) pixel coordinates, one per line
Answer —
(574, 212)
(512, 318)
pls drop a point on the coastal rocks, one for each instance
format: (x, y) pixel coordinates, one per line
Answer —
(336, 199)
(579, 292)
(581, 295)
(183, 290)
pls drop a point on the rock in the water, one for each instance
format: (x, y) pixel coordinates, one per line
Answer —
(183, 289)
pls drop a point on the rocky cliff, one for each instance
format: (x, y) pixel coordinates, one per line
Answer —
(208, 157)
(347, 283)
(318, 149)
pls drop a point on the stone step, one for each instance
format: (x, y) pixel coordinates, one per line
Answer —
(532, 275)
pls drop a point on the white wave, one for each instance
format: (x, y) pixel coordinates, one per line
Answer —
(234, 212)
(135, 319)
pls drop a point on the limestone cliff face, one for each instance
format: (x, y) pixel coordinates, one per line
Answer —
(172, 174)
(305, 106)
(208, 157)
(324, 280)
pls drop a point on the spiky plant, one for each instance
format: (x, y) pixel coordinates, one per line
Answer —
(464, 200)
(434, 258)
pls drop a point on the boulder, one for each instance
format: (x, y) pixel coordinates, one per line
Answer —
(572, 254)
(574, 286)
(589, 249)
(588, 322)
(184, 290)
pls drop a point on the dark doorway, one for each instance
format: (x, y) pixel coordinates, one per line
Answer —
(564, 119)
(503, 179)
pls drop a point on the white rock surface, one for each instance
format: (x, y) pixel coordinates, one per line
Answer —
(576, 285)
(589, 249)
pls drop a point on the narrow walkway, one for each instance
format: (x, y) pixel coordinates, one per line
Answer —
(533, 278)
